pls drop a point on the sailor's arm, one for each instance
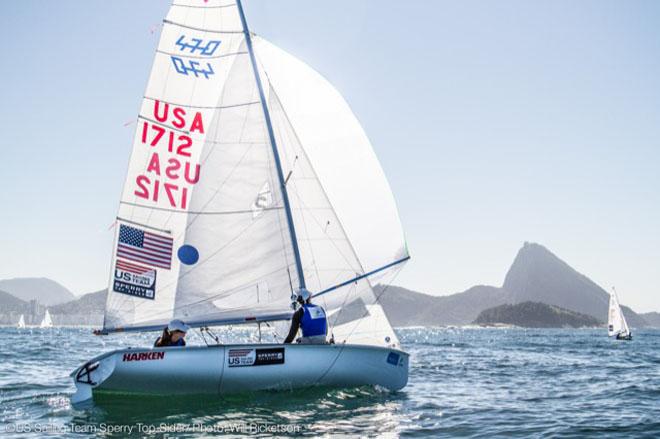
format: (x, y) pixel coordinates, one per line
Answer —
(295, 325)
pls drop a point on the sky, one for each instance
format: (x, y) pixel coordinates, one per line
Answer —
(496, 123)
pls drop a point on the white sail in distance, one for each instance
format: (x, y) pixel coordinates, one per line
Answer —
(616, 321)
(47, 321)
(21, 322)
(221, 246)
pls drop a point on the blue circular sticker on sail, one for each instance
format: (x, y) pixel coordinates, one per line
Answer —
(188, 254)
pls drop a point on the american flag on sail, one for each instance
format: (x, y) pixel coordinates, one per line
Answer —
(144, 247)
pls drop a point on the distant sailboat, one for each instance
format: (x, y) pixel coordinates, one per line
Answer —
(47, 322)
(21, 322)
(616, 322)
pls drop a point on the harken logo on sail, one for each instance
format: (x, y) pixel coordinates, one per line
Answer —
(134, 280)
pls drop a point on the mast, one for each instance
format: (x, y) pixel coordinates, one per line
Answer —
(273, 143)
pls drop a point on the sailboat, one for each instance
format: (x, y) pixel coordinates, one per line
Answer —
(250, 179)
(47, 321)
(21, 322)
(616, 321)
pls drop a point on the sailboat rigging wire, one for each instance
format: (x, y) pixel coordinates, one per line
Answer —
(201, 332)
(277, 336)
(212, 334)
(288, 272)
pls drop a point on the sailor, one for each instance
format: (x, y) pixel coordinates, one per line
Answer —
(621, 336)
(310, 319)
(173, 335)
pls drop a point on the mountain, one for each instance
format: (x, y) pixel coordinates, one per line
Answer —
(11, 308)
(9, 304)
(45, 291)
(86, 310)
(409, 308)
(535, 315)
(652, 318)
(536, 275)
(88, 303)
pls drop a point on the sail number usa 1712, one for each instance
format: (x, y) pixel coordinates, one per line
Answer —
(170, 171)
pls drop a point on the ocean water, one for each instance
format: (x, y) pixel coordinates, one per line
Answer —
(463, 382)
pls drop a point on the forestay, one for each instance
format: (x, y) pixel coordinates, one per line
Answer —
(202, 231)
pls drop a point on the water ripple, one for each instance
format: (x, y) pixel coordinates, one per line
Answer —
(463, 382)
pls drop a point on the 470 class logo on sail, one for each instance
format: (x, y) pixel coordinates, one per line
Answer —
(194, 46)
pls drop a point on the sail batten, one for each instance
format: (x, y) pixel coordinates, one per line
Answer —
(178, 104)
(205, 7)
(213, 31)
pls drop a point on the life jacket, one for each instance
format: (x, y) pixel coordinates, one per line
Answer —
(313, 321)
(180, 342)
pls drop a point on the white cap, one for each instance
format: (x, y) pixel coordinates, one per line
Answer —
(304, 294)
(177, 325)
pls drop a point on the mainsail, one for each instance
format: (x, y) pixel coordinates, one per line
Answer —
(47, 322)
(21, 322)
(249, 178)
(616, 321)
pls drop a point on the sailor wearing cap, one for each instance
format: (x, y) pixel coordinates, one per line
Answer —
(173, 335)
(310, 319)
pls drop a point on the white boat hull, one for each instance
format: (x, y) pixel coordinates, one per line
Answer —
(226, 369)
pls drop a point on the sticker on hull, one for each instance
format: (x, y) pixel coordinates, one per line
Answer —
(255, 357)
(394, 359)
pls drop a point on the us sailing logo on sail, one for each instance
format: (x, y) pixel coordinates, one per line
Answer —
(134, 248)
